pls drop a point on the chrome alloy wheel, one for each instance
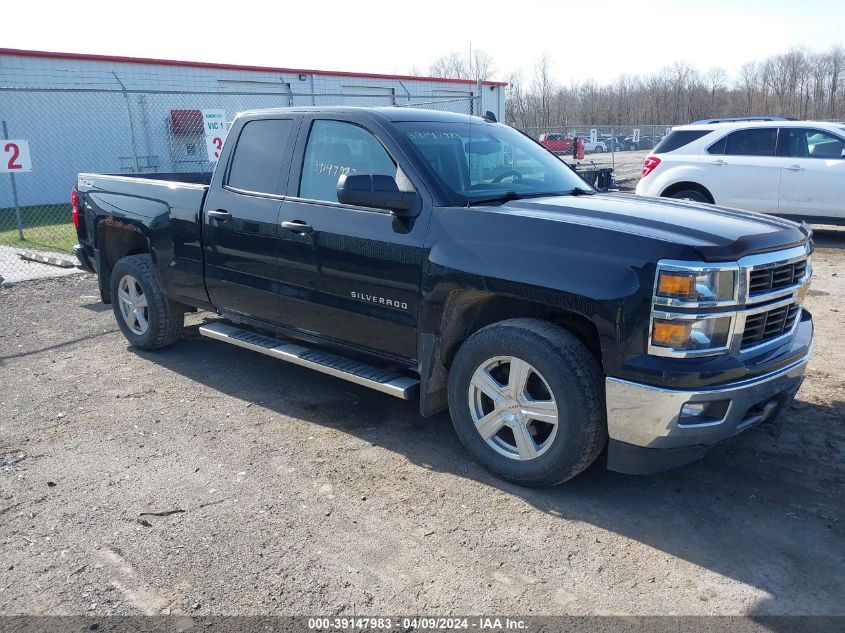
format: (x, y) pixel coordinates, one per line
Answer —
(133, 305)
(513, 408)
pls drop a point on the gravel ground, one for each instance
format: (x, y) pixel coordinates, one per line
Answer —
(206, 479)
(13, 269)
(627, 166)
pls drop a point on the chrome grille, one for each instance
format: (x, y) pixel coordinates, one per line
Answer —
(765, 326)
(765, 311)
(763, 280)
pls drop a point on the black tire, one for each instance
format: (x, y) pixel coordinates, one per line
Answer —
(164, 319)
(690, 194)
(574, 379)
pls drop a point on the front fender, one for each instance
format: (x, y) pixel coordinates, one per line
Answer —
(508, 256)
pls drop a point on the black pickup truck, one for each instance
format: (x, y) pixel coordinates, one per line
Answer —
(452, 259)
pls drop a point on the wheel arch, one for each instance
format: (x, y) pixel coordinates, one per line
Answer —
(543, 444)
(116, 239)
(467, 311)
(687, 184)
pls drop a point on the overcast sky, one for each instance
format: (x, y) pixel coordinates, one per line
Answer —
(598, 40)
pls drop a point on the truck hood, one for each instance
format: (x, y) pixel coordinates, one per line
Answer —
(716, 233)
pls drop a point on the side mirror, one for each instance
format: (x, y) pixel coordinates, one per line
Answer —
(843, 153)
(376, 191)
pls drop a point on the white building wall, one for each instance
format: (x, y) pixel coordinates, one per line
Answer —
(75, 117)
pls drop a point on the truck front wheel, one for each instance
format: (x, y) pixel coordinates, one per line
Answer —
(526, 400)
(145, 316)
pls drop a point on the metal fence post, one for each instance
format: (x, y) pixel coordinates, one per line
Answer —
(14, 191)
(407, 92)
(478, 90)
(131, 124)
(612, 149)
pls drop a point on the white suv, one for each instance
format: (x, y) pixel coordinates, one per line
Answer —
(598, 147)
(791, 168)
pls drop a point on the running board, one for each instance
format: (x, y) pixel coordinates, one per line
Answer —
(389, 382)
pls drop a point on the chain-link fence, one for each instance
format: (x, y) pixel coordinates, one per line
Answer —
(620, 147)
(50, 135)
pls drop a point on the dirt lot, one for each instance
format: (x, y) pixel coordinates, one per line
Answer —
(627, 166)
(210, 480)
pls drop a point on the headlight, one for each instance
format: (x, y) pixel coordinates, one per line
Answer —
(691, 334)
(697, 285)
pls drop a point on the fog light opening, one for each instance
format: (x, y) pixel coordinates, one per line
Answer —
(693, 409)
(698, 413)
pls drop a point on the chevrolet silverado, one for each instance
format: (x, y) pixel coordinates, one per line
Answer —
(453, 260)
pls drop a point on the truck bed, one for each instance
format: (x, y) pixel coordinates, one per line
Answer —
(166, 209)
(185, 191)
(193, 178)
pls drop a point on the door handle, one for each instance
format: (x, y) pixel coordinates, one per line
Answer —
(720, 162)
(796, 168)
(297, 226)
(221, 215)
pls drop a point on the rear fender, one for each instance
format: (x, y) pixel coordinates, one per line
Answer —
(144, 228)
(675, 174)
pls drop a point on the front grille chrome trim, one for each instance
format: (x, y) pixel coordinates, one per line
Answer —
(764, 261)
(744, 306)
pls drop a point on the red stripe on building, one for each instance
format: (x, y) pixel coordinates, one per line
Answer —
(267, 69)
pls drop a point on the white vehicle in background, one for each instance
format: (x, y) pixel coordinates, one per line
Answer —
(597, 147)
(790, 168)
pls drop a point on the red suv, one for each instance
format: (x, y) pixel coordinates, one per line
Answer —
(557, 143)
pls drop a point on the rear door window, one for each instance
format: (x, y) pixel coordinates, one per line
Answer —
(824, 144)
(678, 139)
(258, 156)
(756, 142)
(810, 143)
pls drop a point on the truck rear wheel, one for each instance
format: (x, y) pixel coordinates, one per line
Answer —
(526, 400)
(145, 316)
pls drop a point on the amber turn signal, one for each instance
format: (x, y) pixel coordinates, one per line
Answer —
(670, 333)
(676, 285)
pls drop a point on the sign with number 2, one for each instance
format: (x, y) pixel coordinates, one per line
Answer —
(14, 156)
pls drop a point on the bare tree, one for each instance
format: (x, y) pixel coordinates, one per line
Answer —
(747, 85)
(716, 81)
(543, 87)
(517, 103)
(834, 86)
(455, 65)
(798, 83)
(482, 66)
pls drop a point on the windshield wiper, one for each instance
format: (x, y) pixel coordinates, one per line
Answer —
(505, 197)
(508, 196)
(578, 191)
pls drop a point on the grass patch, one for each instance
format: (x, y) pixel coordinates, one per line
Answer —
(45, 227)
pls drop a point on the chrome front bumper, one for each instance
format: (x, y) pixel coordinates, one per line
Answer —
(650, 417)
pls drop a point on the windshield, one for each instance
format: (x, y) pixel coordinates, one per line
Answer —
(483, 161)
